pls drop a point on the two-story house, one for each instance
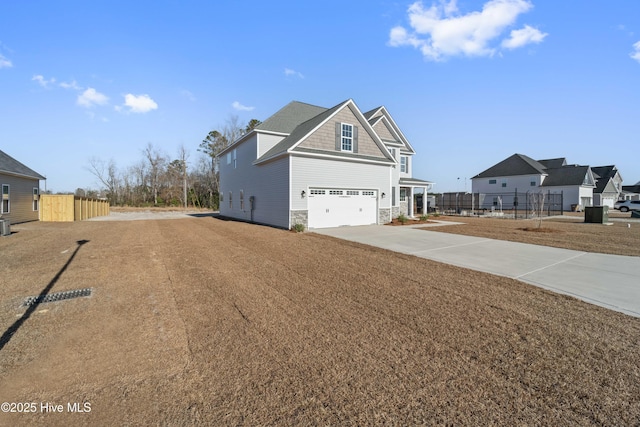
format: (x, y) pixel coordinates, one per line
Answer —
(522, 174)
(320, 167)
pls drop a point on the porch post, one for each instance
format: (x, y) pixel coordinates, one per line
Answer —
(410, 202)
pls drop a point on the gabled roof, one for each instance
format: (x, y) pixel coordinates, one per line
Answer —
(287, 116)
(604, 175)
(10, 166)
(566, 175)
(518, 164)
(605, 171)
(382, 112)
(299, 131)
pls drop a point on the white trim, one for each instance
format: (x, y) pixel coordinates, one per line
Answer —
(8, 199)
(404, 139)
(290, 194)
(333, 157)
(343, 138)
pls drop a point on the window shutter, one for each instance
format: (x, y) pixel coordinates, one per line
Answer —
(338, 136)
(355, 139)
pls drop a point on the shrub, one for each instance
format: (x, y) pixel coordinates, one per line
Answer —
(436, 214)
(424, 217)
(298, 228)
(402, 219)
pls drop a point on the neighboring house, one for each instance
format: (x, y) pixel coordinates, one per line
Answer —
(608, 185)
(20, 190)
(320, 167)
(523, 174)
(630, 192)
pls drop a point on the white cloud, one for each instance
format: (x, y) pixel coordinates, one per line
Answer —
(523, 37)
(139, 103)
(440, 31)
(91, 97)
(237, 106)
(289, 72)
(71, 85)
(636, 51)
(42, 81)
(5, 63)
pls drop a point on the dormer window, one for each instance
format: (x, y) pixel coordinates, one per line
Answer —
(347, 137)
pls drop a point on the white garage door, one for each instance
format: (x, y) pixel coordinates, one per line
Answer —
(330, 207)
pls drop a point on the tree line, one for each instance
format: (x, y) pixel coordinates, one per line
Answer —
(158, 179)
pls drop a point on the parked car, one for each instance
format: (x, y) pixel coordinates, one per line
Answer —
(627, 205)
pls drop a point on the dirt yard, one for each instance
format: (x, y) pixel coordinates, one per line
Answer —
(199, 321)
(569, 232)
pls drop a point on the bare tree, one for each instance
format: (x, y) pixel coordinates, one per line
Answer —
(215, 142)
(107, 174)
(183, 156)
(536, 204)
(156, 162)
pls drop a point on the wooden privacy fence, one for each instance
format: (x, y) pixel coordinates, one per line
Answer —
(67, 207)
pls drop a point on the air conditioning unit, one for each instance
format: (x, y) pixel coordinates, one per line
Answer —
(5, 228)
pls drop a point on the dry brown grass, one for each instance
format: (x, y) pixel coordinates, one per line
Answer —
(569, 232)
(204, 322)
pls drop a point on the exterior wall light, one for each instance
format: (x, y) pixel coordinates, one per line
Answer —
(304, 193)
(383, 195)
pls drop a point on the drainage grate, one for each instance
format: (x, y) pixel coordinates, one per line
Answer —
(58, 296)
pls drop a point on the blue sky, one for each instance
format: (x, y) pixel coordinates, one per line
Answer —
(469, 82)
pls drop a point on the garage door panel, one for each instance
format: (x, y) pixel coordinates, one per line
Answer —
(334, 208)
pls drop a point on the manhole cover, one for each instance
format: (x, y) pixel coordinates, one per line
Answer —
(58, 296)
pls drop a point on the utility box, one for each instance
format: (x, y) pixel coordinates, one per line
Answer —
(5, 227)
(596, 214)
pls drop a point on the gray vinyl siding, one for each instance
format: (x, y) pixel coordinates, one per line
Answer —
(268, 183)
(20, 198)
(266, 142)
(309, 172)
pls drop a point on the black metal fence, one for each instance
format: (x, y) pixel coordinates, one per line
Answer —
(530, 204)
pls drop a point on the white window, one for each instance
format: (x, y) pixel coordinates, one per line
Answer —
(493, 181)
(5, 199)
(36, 198)
(352, 193)
(504, 183)
(404, 164)
(335, 192)
(533, 183)
(241, 200)
(403, 194)
(317, 192)
(347, 137)
(393, 152)
(235, 158)
(367, 193)
(228, 158)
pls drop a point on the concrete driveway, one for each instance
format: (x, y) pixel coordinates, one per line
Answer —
(611, 281)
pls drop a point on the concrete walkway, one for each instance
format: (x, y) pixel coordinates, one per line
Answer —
(610, 281)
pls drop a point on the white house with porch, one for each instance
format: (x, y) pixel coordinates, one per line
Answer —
(320, 167)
